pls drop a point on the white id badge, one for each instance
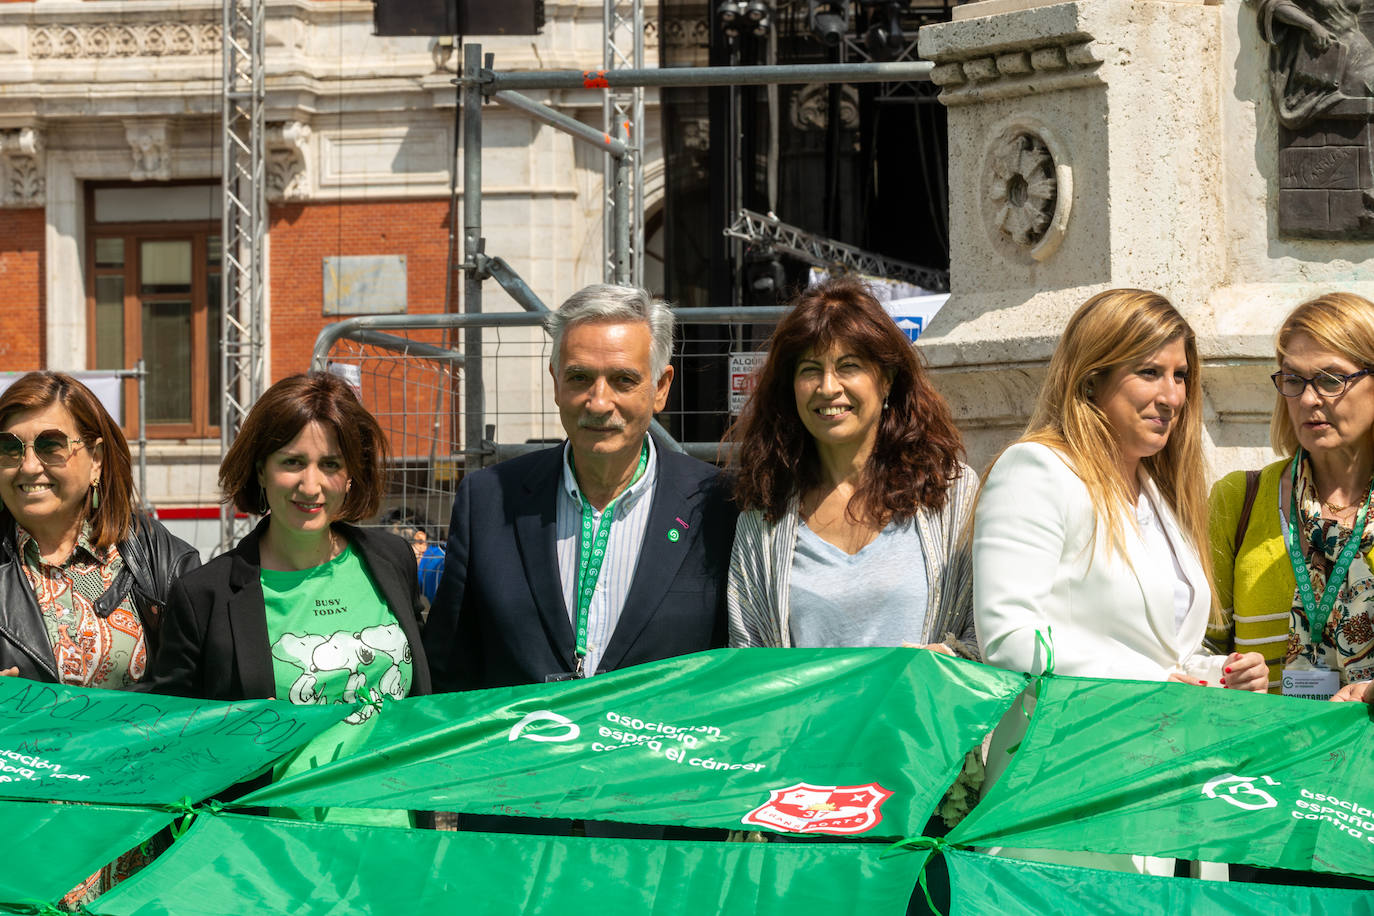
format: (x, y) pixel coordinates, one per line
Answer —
(1311, 683)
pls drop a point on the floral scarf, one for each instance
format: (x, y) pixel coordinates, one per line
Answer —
(1347, 645)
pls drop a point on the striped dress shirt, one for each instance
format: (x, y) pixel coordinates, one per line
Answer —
(628, 525)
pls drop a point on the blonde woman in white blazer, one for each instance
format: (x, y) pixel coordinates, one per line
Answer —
(1089, 526)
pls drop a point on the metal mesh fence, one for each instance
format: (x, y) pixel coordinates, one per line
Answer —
(411, 379)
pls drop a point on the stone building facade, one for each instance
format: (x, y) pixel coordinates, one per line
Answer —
(109, 196)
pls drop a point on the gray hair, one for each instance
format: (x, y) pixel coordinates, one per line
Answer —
(605, 302)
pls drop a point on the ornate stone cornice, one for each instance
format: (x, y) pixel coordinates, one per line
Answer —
(116, 39)
(22, 166)
(1015, 73)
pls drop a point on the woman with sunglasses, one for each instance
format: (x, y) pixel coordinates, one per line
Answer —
(1291, 543)
(83, 577)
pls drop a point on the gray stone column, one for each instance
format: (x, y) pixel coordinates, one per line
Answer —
(1107, 143)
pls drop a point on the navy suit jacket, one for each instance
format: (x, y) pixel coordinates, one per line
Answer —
(499, 617)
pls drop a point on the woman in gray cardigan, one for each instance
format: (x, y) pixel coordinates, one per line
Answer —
(852, 495)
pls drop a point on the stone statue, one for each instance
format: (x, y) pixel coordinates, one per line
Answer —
(1318, 56)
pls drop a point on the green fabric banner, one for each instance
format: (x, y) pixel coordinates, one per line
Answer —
(48, 849)
(829, 741)
(119, 747)
(1175, 770)
(982, 884)
(233, 865)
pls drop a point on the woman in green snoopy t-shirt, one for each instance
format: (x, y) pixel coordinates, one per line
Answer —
(307, 607)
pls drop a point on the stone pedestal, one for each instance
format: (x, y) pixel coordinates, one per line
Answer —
(1110, 143)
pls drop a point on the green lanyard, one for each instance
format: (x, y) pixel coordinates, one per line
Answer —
(592, 550)
(1317, 627)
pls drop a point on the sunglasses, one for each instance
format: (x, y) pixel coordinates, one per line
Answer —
(51, 447)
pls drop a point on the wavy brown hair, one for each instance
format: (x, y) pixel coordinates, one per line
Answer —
(918, 448)
(112, 521)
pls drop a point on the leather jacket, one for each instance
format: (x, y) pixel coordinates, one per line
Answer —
(153, 559)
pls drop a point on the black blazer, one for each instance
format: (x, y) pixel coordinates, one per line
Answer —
(499, 617)
(214, 635)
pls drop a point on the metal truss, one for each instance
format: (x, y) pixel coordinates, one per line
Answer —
(855, 48)
(243, 230)
(771, 233)
(623, 115)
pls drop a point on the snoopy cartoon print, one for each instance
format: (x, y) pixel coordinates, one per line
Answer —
(315, 655)
(297, 651)
(390, 640)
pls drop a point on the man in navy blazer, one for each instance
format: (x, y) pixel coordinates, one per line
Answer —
(606, 551)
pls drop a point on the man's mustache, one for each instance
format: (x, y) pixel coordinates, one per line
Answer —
(607, 422)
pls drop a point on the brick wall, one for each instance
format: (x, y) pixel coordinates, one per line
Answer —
(302, 235)
(23, 344)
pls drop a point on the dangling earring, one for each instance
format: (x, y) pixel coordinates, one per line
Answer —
(884, 402)
(262, 501)
(95, 496)
(1088, 391)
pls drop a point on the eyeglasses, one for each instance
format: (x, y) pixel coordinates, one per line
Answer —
(1325, 384)
(51, 447)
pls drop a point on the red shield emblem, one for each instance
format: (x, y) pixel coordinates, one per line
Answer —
(805, 808)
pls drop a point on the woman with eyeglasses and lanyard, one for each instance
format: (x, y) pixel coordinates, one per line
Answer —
(83, 577)
(1291, 542)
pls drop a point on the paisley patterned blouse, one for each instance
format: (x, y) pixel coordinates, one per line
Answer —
(91, 651)
(1347, 644)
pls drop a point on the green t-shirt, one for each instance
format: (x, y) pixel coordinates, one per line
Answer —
(334, 640)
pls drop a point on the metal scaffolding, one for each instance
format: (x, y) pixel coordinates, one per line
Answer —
(772, 233)
(243, 229)
(479, 81)
(622, 110)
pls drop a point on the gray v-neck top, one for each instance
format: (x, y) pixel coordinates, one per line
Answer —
(876, 597)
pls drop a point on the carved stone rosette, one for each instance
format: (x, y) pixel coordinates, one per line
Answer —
(21, 162)
(288, 160)
(1027, 189)
(150, 149)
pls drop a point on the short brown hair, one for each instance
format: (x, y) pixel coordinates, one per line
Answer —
(111, 522)
(278, 417)
(916, 457)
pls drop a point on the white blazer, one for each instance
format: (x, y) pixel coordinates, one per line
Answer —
(1040, 563)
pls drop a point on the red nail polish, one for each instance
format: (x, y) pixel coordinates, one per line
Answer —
(1228, 670)
(1223, 682)
(1203, 683)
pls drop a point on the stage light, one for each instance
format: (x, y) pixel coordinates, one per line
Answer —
(885, 37)
(758, 17)
(829, 20)
(728, 16)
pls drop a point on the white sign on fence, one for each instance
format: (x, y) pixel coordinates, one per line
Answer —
(742, 369)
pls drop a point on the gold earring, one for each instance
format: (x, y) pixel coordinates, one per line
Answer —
(95, 496)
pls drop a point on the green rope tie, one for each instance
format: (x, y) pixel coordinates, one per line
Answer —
(184, 813)
(933, 846)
